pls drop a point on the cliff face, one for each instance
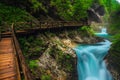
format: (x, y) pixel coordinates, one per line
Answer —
(50, 55)
(114, 56)
(42, 9)
(95, 13)
(60, 10)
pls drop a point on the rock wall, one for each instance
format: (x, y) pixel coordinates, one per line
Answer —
(52, 52)
(95, 13)
(113, 62)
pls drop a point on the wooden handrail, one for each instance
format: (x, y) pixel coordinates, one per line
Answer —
(25, 69)
(0, 33)
(50, 22)
(47, 24)
(29, 25)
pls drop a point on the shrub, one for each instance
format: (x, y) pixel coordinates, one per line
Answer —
(33, 64)
(46, 77)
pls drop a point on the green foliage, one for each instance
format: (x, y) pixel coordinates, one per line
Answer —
(36, 5)
(115, 52)
(11, 14)
(64, 8)
(32, 47)
(114, 20)
(33, 64)
(72, 10)
(87, 30)
(110, 7)
(116, 39)
(114, 24)
(65, 60)
(46, 77)
(80, 8)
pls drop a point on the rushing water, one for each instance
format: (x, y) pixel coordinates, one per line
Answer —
(90, 64)
(103, 33)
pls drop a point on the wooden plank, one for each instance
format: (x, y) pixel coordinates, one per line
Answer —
(6, 55)
(8, 60)
(10, 78)
(5, 47)
(6, 63)
(7, 70)
(4, 43)
(7, 75)
(5, 40)
(7, 66)
(4, 51)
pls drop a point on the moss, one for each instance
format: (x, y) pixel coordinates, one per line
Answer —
(46, 77)
(32, 46)
(64, 60)
(36, 5)
(11, 14)
(33, 64)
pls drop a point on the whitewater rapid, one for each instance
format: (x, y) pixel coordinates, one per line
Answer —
(90, 60)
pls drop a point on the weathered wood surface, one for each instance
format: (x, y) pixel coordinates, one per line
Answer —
(9, 69)
(12, 61)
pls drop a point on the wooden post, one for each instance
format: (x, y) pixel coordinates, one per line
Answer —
(52, 24)
(0, 33)
(31, 23)
(0, 28)
(62, 24)
(40, 24)
(47, 24)
(58, 23)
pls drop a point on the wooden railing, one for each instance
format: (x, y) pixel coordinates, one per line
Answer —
(21, 59)
(33, 26)
(5, 27)
(0, 34)
(46, 24)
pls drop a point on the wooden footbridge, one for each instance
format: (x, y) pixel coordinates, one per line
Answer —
(12, 61)
(8, 61)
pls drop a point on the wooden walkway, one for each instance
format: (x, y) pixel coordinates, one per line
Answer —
(31, 27)
(23, 27)
(12, 62)
(8, 62)
(11, 54)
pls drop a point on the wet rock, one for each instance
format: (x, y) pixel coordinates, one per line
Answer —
(95, 13)
(47, 62)
(93, 16)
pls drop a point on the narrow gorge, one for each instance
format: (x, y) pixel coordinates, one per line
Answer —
(61, 39)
